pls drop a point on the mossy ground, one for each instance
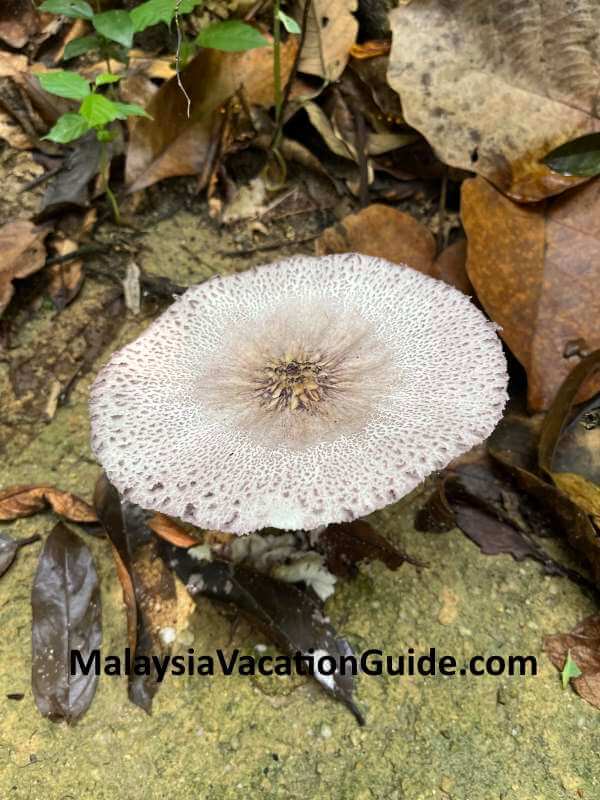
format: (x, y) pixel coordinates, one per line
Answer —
(463, 738)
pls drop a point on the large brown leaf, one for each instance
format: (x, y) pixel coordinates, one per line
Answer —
(172, 144)
(23, 252)
(23, 501)
(384, 232)
(495, 86)
(330, 34)
(536, 271)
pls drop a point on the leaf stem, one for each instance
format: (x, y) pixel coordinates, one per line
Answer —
(105, 172)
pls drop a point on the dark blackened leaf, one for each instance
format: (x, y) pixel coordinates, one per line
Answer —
(70, 188)
(9, 547)
(148, 586)
(287, 615)
(66, 616)
(583, 642)
(578, 449)
(580, 157)
(345, 544)
(23, 501)
(436, 515)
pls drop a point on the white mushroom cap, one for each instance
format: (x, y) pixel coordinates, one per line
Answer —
(305, 392)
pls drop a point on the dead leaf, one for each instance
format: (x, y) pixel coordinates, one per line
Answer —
(451, 267)
(520, 261)
(23, 253)
(383, 232)
(23, 501)
(70, 188)
(171, 144)
(584, 643)
(18, 21)
(370, 49)
(9, 548)
(171, 531)
(330, 34)
(582, 492)
(494, 87)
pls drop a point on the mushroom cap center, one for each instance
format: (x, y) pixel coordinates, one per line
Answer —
(297, 382)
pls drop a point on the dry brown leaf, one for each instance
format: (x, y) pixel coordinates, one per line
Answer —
(382, 232)
(11, 64)
(582, 492)
(584, 643)
(370, 49)
(23, 501)
(171, 144)
(451, 267)
(536, 271)
(495, 86)
(171, 531)
(330, 34)
(23, 252)
(18, 21)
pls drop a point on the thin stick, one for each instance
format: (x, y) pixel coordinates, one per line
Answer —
(178, 59)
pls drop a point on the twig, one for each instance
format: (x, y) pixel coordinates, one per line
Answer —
(441, 235)
(361, 152)
(178, 59)
(86, 250)
(288, 87)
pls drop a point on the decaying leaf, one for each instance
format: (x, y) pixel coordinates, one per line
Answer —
(451, 267)
(65, 278)
(70, 188)
(346, 544)
(384, 232)
(495, 86)
(23, 501)
(23, 252)
(287, 615)
(170, 144)
(66, 616)
(171, 531)
(583, 643)
(18, 21)
(148, 586)
(9, 548)
(520, 261)
(330, 34)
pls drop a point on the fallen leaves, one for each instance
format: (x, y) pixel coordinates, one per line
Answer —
(9, 548)
(23, 501)
(173, 144)
(520, 261)
(23, 253)
(66, 616)
(287, 615)
(148, 586)
(18, 21)
(330, 35)
(493, 90)
(583, 645)
(384, 232)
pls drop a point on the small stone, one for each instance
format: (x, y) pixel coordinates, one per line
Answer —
(325, 732)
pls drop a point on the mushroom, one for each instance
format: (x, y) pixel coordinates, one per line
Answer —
(297, 394)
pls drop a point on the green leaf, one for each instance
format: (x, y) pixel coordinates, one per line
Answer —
(187, 6)
(98, 110)
(83, 44)
(107, 77)
(68, 8)
(64, 84)
(130, 110)
(232, 36)
(289, 23)
(115, 25)
(151, 13)
(570, 670)
(67, 128)
(581, 157)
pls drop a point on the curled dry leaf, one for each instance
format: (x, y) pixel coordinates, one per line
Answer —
(170, 144)
(23, 253)
(148, 586)
(384, 232)
(23, 501)
(330, 35)
(171, 531)
(495, 86)
(520, 259)
(584, 644)
(66, 616)
(287, 615)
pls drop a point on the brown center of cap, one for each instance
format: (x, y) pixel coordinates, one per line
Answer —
(296, 381)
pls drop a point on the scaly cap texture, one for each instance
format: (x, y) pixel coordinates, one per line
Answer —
(297, 394)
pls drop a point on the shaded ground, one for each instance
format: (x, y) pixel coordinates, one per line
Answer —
(484, 738)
